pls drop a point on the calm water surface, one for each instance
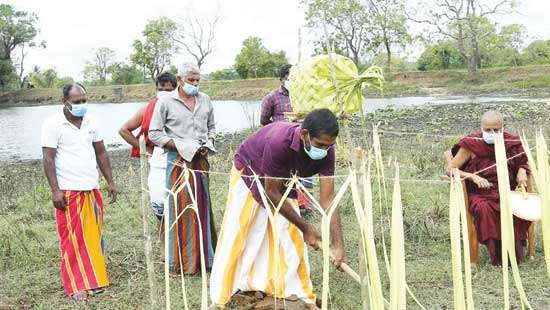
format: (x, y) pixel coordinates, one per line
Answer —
(21, 125)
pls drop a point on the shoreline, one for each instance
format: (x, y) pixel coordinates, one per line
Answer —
(407, 119)
(543, 93)
(528, 81)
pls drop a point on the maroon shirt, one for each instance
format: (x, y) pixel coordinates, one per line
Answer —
(276, 150)
(276, 104)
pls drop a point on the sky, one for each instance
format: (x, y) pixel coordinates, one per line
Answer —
(72, 29)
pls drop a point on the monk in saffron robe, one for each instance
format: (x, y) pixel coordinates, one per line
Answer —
(474, 155)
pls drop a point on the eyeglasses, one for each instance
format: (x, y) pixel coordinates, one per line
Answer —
(324, 147)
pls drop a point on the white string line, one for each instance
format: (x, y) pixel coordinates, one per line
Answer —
(430, 134)
(183, 165)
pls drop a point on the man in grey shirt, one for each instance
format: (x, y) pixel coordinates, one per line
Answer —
(183, 125)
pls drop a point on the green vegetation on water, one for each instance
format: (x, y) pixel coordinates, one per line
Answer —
(29, 257)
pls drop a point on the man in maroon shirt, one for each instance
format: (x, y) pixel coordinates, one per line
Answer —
(277, 103)
(245, 256)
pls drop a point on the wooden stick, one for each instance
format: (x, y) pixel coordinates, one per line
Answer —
(144, 212)
(346, 268)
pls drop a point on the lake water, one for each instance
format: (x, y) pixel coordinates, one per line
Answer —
(22, 125)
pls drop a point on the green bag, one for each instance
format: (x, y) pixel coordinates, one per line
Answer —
(333, 82)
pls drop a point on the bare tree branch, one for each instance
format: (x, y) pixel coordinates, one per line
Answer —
(197, 37)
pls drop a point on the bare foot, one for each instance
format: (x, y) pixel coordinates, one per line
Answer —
(80, 297)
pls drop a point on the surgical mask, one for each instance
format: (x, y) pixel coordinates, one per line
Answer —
(286, 84)
(162, 93)
(78, 110)
(489, 137)
(189, 89)
(315, 153)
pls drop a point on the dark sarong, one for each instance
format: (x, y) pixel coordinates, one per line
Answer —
(184, 242)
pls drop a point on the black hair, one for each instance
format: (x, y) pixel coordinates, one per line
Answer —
(68, 87)
(321, 121)
(166, 77)
(284, 71)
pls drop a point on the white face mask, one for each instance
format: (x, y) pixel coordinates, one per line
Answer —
(489, 137)
(163, 93)
(286, 85)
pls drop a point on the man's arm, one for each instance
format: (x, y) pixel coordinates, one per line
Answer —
(211, 123)
(132, 124)
(156, 127)
(267, 111)
(273, 188)
(105, 166)
(336, 238)
(58, 198)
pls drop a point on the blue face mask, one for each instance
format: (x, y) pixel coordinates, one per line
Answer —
(78, 110)
(191, 90)
(489, 137)
(315, 153)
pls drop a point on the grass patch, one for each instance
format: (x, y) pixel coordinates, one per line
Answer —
(29, 255)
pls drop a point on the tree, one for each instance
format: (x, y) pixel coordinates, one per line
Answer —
(440, 56)
(7, 75)
(344, 23)
(197, 36)
(504, 48)
(47, 79)
(154, 52)
(223, 74)
(100, 66)
(390, 26)
(24, 52)
(17, 28)
(466, 23)
(254, 60)
(125, 74)
(538, 52)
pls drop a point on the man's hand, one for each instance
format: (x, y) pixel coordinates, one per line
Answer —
(111, 193)
(522, 178)
(59, 200)
(338, 256)
(312, 237)
(480, 182)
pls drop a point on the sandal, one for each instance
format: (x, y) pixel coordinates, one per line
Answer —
(95, 291)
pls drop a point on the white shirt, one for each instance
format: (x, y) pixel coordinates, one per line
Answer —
(75, 160)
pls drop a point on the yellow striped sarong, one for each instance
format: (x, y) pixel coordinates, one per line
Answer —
(245, 258)
(80, 229)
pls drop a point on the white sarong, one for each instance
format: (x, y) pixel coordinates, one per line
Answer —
(156, 180)
(245, 253)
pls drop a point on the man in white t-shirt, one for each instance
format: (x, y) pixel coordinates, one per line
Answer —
(72, 150)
